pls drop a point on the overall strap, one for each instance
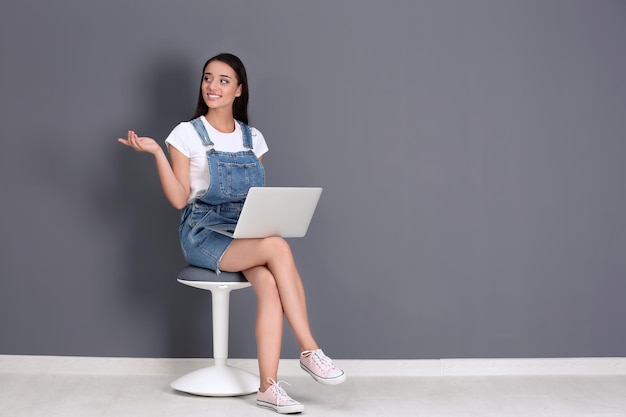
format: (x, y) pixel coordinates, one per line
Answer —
(201, 130)
(247, 136)
(206, 141)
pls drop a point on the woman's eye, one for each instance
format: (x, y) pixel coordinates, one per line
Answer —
(207, 79)
(224, 81)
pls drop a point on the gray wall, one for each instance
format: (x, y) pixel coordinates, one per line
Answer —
(471, 153)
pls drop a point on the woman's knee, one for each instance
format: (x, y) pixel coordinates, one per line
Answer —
(278, 247)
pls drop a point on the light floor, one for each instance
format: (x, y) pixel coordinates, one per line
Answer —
(101, 393)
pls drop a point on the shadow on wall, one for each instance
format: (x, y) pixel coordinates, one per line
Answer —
(293, 153)
(156, 254)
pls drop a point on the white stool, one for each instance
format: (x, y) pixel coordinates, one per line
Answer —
(219, 380)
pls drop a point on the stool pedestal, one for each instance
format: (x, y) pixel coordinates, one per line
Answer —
(219, 380)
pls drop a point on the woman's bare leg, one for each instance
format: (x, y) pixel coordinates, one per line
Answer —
(275, 255)
(269, 322)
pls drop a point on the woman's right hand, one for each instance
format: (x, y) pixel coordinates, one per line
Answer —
(141, 144)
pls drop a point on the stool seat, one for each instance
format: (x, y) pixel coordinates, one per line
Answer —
(219, 380)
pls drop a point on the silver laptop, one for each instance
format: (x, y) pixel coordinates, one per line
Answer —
(274, 211)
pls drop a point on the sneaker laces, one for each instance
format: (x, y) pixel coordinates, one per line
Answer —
(282, 398)
(323, 361)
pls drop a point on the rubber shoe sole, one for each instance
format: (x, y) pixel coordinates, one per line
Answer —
(281, 409)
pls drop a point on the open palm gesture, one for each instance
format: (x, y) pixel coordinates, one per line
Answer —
(140, 143)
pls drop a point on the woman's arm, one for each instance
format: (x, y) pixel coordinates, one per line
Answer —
(175, 177)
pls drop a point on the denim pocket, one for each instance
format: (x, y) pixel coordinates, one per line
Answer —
(235, 179)
(198, 213)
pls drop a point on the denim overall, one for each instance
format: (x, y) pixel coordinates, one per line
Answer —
(231, 176)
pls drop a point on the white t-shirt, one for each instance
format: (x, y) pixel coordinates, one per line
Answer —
(187, 141)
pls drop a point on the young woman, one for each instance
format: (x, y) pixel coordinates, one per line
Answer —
(215, 159)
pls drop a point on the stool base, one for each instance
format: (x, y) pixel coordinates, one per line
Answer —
(218, 381)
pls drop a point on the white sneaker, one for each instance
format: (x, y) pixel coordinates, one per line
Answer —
(275, 398)
(321, 367)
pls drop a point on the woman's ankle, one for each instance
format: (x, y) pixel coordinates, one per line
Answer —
(265, 384)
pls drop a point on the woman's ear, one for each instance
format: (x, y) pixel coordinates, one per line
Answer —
(239, 91)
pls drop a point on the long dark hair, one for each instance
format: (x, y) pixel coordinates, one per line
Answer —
(240, 105)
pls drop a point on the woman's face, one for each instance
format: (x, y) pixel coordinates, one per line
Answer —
(220, 86)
